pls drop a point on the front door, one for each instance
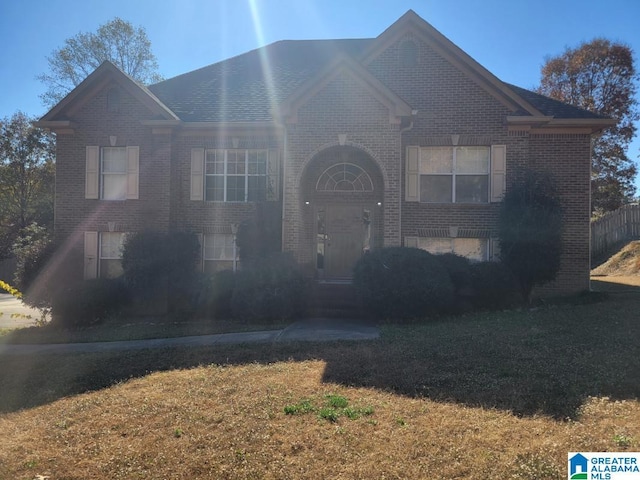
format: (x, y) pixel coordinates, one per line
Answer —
(343, 234)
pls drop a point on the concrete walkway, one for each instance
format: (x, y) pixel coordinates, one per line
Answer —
(13, 312)
(308, 330)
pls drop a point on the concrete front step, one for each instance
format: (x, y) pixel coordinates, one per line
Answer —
(335, 300)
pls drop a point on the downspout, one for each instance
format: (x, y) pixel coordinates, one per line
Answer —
(414, 114)
(283, 188)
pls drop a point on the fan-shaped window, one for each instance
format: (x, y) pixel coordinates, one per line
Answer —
(344, 177)
(408, 54)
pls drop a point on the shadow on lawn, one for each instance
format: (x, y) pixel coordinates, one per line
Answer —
(544, 362)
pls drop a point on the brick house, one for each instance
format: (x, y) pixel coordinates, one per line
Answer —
(402, 139)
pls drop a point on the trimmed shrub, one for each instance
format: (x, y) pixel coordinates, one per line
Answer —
(214, 293)
(162, 265)
(402, 283)
(89, 302)
(459, 269)
(270, 288)
(494, 286)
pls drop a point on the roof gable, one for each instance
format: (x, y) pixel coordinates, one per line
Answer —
(396, 105)
(107, 72)
(411, 22)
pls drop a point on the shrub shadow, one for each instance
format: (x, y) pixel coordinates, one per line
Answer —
(545, 363)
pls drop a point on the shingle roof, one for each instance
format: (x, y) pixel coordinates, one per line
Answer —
(550, 107)
(247, 87)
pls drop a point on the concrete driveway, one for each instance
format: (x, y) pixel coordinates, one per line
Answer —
(9, 306)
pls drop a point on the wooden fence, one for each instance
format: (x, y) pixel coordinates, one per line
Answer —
(614, 228)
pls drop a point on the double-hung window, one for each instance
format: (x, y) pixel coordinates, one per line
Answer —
(113, 173)
(235, 175)
(454, 174)
(447, 174)
(111, 247)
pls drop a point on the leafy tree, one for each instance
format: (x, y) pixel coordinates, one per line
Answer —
(118, 41)
(27, 174)
(530, 231)
(600, 76)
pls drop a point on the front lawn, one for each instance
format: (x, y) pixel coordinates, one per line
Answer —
(497, 395)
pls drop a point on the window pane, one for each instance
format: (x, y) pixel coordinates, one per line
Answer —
(472, 189)
(114, 160)
(235, 162)
(114, 187)
(215, 162)
(111, 244)
(214, 186)
(213, 266)
(235, 189)
(435, 188)
(436, 160)
(257, 189)
(435, 245)
(472, 160)
(218, 246)
(473, 248)
(110, 268)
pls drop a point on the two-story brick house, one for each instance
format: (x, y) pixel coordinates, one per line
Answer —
(402, 139)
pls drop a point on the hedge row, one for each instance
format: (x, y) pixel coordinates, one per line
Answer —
(409, 283)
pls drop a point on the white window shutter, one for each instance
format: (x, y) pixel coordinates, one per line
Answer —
(92, 173)
(273, 175)
(197, 174)
(412, 175)
(411, 242)
(90, 255)
(494, 250)
(498, 171)
(133, 172)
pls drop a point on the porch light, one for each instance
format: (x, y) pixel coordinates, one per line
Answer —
(307, 202)
(379, 204)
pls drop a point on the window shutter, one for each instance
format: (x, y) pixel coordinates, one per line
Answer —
(197, 174)
(411, 242)
(273, 175)
(494, 250)
(133, 172)
(92, 173)
(498, 171)
(412, 175)
(200, 264)
(90, 255)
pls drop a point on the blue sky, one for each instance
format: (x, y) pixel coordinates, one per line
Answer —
(511, 38)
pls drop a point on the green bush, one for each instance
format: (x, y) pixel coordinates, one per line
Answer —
(270, 288)
(402, 283)
(33, 250)
(162, 264)
(494, 286)
(459, 269)
(214, 293)
(89, 302)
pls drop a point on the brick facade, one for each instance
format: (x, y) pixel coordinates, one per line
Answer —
(409, 88)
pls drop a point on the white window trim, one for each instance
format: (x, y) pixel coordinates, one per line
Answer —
(226, 175)
(454, 173)
(497, 174)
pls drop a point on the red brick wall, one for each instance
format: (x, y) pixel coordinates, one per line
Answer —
(74, 214)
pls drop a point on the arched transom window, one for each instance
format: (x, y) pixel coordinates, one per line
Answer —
(344, 177)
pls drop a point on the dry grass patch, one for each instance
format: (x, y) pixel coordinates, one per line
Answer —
(229, 422)
(502, 395)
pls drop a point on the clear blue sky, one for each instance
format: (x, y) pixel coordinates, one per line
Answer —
(511, 38)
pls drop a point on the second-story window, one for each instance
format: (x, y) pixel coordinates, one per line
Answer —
(237, 175)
